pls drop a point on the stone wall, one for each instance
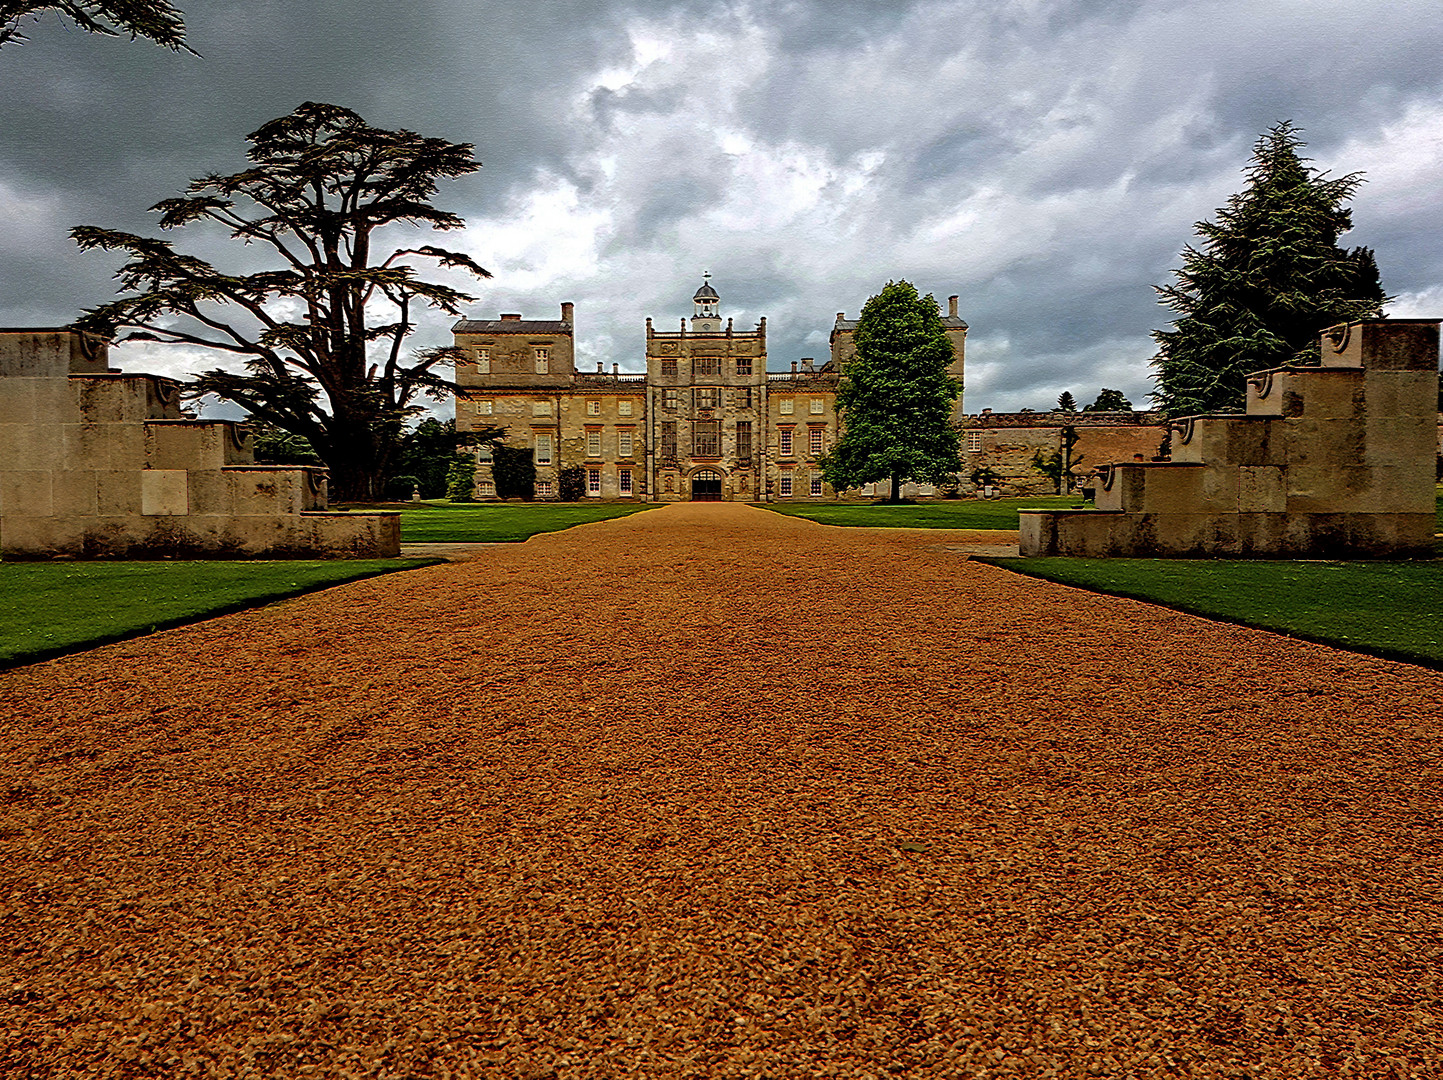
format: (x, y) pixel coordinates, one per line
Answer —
(95, 463)
(1329, 461)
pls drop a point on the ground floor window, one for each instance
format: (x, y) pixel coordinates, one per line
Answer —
(624, 481)
(593, 481)
(486, 489)
(785, 484)
(543, 489)
(816, 483)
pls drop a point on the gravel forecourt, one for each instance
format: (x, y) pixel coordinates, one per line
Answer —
(713, 792)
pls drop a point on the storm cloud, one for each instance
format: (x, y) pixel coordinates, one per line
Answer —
(1044, 160)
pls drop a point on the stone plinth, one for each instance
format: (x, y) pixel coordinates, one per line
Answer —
(1332, 461)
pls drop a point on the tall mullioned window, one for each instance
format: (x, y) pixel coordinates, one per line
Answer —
(593, 444)
(786, 442)
(483, 361)
(542, 454)
(744, 440)
(543, 361)
(671, 399)
(784, 483)
(623, 481)
(744, 365)
(706, 438)
(668, 440)
(974, 442)
(816, 488)
(814, 442)
(623, 444)
(708, 365)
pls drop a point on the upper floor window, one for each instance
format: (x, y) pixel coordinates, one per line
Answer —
(593, 408)
(974, 442)
(744, 440)
(485, 408)
(786, 442)
(483, 361)
(744, 398)
(670, 399)
(668, 367)
(484, 453)
(543, 361)
(706, 438)
(623, 408)
(708, 365)
(816, 406)
(814, 442)
(668, 439)
(708, 397)
(785, 406)
(623, 444)
(542, 454)
(593, 444)
(744, 365)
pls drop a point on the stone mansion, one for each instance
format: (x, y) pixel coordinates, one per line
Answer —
(707, 421)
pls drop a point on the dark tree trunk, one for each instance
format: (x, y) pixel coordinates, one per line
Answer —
(896, 489)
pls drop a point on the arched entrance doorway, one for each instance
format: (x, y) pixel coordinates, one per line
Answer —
(706, 486)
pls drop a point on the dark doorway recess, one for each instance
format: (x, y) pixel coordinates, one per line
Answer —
(706, 486)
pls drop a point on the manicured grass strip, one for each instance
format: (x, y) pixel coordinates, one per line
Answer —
(952, 514)
(499, 523)
(1388, 609)
(51, 608)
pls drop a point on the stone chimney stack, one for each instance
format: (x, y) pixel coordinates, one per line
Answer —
(600, 368)
(841, 315)
(952, 307)
(511, 316)
(794, 367)
(616, 369)
(807, 363)
(568, 310)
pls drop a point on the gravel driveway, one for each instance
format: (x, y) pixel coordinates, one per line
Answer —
(713, 792)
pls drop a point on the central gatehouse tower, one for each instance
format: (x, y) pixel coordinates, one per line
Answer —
(706, 406)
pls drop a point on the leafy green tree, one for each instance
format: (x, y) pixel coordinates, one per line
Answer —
(513, 468)
(275, 446)
(461, 479)
(161, 22)
(895, 398)
(1066, 402)
(429, 449)
(1268, 278)
(1109, 401)
(322, 335)
(1050, 464)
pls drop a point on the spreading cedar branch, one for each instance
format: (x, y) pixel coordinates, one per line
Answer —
(157, 20)
(323, 333)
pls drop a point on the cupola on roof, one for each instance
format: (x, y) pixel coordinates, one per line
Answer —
(706, 292)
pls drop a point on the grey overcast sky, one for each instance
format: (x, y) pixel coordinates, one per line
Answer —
(1043, 159)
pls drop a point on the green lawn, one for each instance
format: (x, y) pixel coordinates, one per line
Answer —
(951, 514)
(57, 607)
(442, 522)
(1391, 609)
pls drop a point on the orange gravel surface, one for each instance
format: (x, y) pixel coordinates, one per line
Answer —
(712, 792)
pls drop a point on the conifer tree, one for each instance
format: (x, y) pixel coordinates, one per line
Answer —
(1267, 279)
(1066, 402)
(895, 399)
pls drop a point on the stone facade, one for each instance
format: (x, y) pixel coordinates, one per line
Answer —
(95, 462)
(1327, 461)
(706, 421)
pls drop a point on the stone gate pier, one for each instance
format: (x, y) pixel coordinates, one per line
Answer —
(99, 463)
(1329, 461)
